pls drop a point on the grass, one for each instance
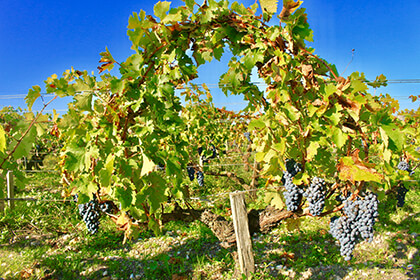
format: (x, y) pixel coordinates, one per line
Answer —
(47, 240)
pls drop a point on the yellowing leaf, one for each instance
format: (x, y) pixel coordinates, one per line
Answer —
(269, 6)
(289, 6)
(148, 166)
(312, 150)
(2, 139)
(292, 224)
(353, 169)
(274, 198)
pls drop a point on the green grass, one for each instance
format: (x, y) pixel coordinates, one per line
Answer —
(48, 239)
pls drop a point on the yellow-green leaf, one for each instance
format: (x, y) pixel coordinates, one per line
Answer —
(148, 166)
(32, 96)
(161, 8)
(269, 6)
(2, 139)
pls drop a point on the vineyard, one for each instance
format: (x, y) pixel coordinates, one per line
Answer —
(134, 180)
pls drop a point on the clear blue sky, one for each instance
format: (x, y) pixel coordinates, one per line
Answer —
(40, 38)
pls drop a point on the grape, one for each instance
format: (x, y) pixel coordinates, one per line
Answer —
(316, 196)
(200, 178)
(107, 207)
(293, 194)
(404, 166)
(401, 192)
(356, 223)
(214, 152)
(293, 167)
(191, 172)
(90, 215)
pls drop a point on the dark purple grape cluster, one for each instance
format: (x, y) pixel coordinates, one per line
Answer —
(293, 193)
(368, 212)
(356, 223)
(316, 196)
(341, 229)
(200, 178)
(90, 215)
(401, 192)
(191, 172)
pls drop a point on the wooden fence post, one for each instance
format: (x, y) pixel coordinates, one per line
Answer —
(1, 199)
(10, 189)
(243, 237)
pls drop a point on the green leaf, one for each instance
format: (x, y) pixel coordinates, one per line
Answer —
(83, 101)
(25, 145)
(274, 198)
(395, 135)
(161, 8)
(32, 96)
(339, 137)
(256, 123)
(106, 173)
(124, 196)
(190, 4)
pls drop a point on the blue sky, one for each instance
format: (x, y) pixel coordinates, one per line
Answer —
(41, 38)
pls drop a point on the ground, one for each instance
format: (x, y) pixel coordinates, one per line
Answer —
(47, 240)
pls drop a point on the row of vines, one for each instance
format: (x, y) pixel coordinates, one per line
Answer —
(322, 143)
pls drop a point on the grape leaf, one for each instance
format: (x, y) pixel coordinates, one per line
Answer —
(353, 169)
(269, 6)
(274, 198)
(394, 134)
(2, 139)
(147, 167)
(161, 8)
(32, 96)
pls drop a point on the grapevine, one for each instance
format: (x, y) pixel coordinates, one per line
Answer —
(131, 138)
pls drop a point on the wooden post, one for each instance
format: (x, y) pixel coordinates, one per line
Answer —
(1, 198)
(243, 237)
(10, 189)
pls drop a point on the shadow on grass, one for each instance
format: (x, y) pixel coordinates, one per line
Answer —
(104, 256)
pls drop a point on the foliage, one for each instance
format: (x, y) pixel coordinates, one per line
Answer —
(119, 129)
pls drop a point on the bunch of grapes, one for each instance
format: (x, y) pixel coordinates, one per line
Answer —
(316, 196)
(342, 230)
(368, 212)
(200, 178)
(401, 192)
(191, 172)
(90, 215)
(293, 194)
(358, 221)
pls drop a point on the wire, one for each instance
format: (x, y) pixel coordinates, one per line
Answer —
(219, 85)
